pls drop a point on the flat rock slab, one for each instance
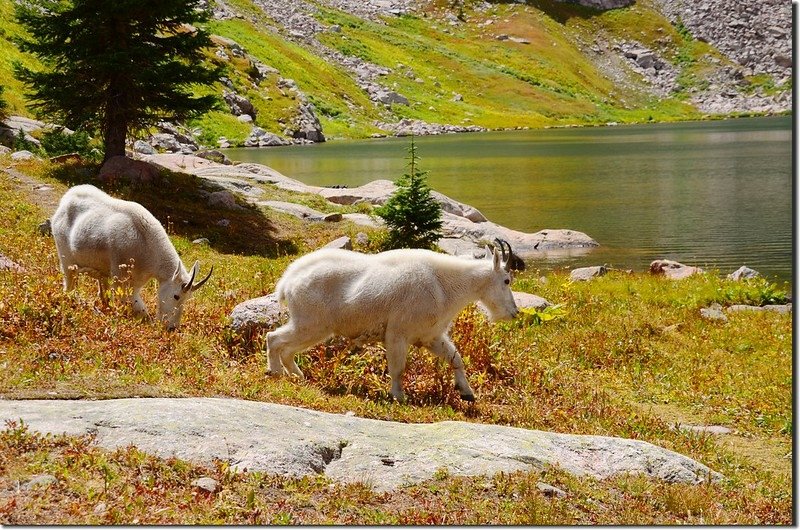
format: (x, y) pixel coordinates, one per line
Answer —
(292, 441)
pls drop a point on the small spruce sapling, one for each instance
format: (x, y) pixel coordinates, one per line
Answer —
(413, 216)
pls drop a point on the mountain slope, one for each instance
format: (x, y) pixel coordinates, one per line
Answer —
(348, 69)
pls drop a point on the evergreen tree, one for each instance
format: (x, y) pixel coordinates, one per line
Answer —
(114, 67)
(413, 216)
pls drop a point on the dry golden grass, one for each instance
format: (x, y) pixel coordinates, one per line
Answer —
(619, 350)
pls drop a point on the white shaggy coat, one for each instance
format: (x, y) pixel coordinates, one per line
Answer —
(110, 238)
(400, 298)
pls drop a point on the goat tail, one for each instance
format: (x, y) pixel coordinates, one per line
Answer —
(280, 290)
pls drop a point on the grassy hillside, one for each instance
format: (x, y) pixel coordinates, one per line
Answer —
(623, 355)
(551, 80)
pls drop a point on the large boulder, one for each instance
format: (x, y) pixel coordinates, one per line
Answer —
(262, 313)
(258, 137)
(672, 269)
(743, 273)
(306, 125)
(129, 170)
(239, 104)
(583, 274)
(291, 441)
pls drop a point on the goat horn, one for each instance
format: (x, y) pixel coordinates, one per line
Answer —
(502, 248)
(188, 285)
(204, 280)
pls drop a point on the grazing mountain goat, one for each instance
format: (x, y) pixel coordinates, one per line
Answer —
(111, 238)
(400, 297)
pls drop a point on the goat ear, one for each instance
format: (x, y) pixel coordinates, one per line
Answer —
(177, 273)
(498, 260)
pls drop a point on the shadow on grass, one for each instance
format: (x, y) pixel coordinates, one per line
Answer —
(560, 11)
(180, 203)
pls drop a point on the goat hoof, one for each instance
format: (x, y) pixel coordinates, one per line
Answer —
(468, 397)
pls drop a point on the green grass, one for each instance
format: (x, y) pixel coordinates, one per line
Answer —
(623, 355)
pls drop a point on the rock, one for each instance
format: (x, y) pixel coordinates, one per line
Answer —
(5, 150)
(39, 481)
(127, 169)
(166, 142)
(587, 273)
(550, 491)
(12, 126)
(378, 192)
(363, 219)
(244, 118)
(362, 239)
(713, 313)
(260, 138)
(100, 508)
(298, 210)
(67, 157)
(8, 265)
(528, 300)
(672, 269)
(21, 156)
(238, 105)
(263, 313)
(778, 308)
(333, 217)
(44, 228)
(223, 199)
(603, 5)
(711, 429)
(142, 147)
(523, 301)
(342, 242)
(215, 156)
(291, 441)
(201, 241)
(306, 125)
(409, 127)
(206, 484)
(743, 273)
(390, 97)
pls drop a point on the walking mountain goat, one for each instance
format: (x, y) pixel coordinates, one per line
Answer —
(110, 238)
(400, 297)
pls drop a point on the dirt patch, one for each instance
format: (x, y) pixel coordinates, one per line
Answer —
(43, 195)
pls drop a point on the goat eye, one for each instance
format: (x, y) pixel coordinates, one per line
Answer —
(177, 297)
(507, 281)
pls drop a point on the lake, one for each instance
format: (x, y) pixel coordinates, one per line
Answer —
(717, 194)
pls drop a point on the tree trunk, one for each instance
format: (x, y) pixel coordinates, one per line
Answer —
(114, 136)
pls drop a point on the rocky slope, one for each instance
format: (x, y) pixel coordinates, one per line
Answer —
(301, 71)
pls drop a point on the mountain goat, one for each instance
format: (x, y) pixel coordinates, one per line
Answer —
(400, 297)
(110, 238)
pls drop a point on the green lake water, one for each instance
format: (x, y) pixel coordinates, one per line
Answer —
(717, 194)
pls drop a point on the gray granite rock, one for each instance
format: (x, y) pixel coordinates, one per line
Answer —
(583, 274)
(262, 313)
(672, 269)
(743, 273)
(291, 441)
